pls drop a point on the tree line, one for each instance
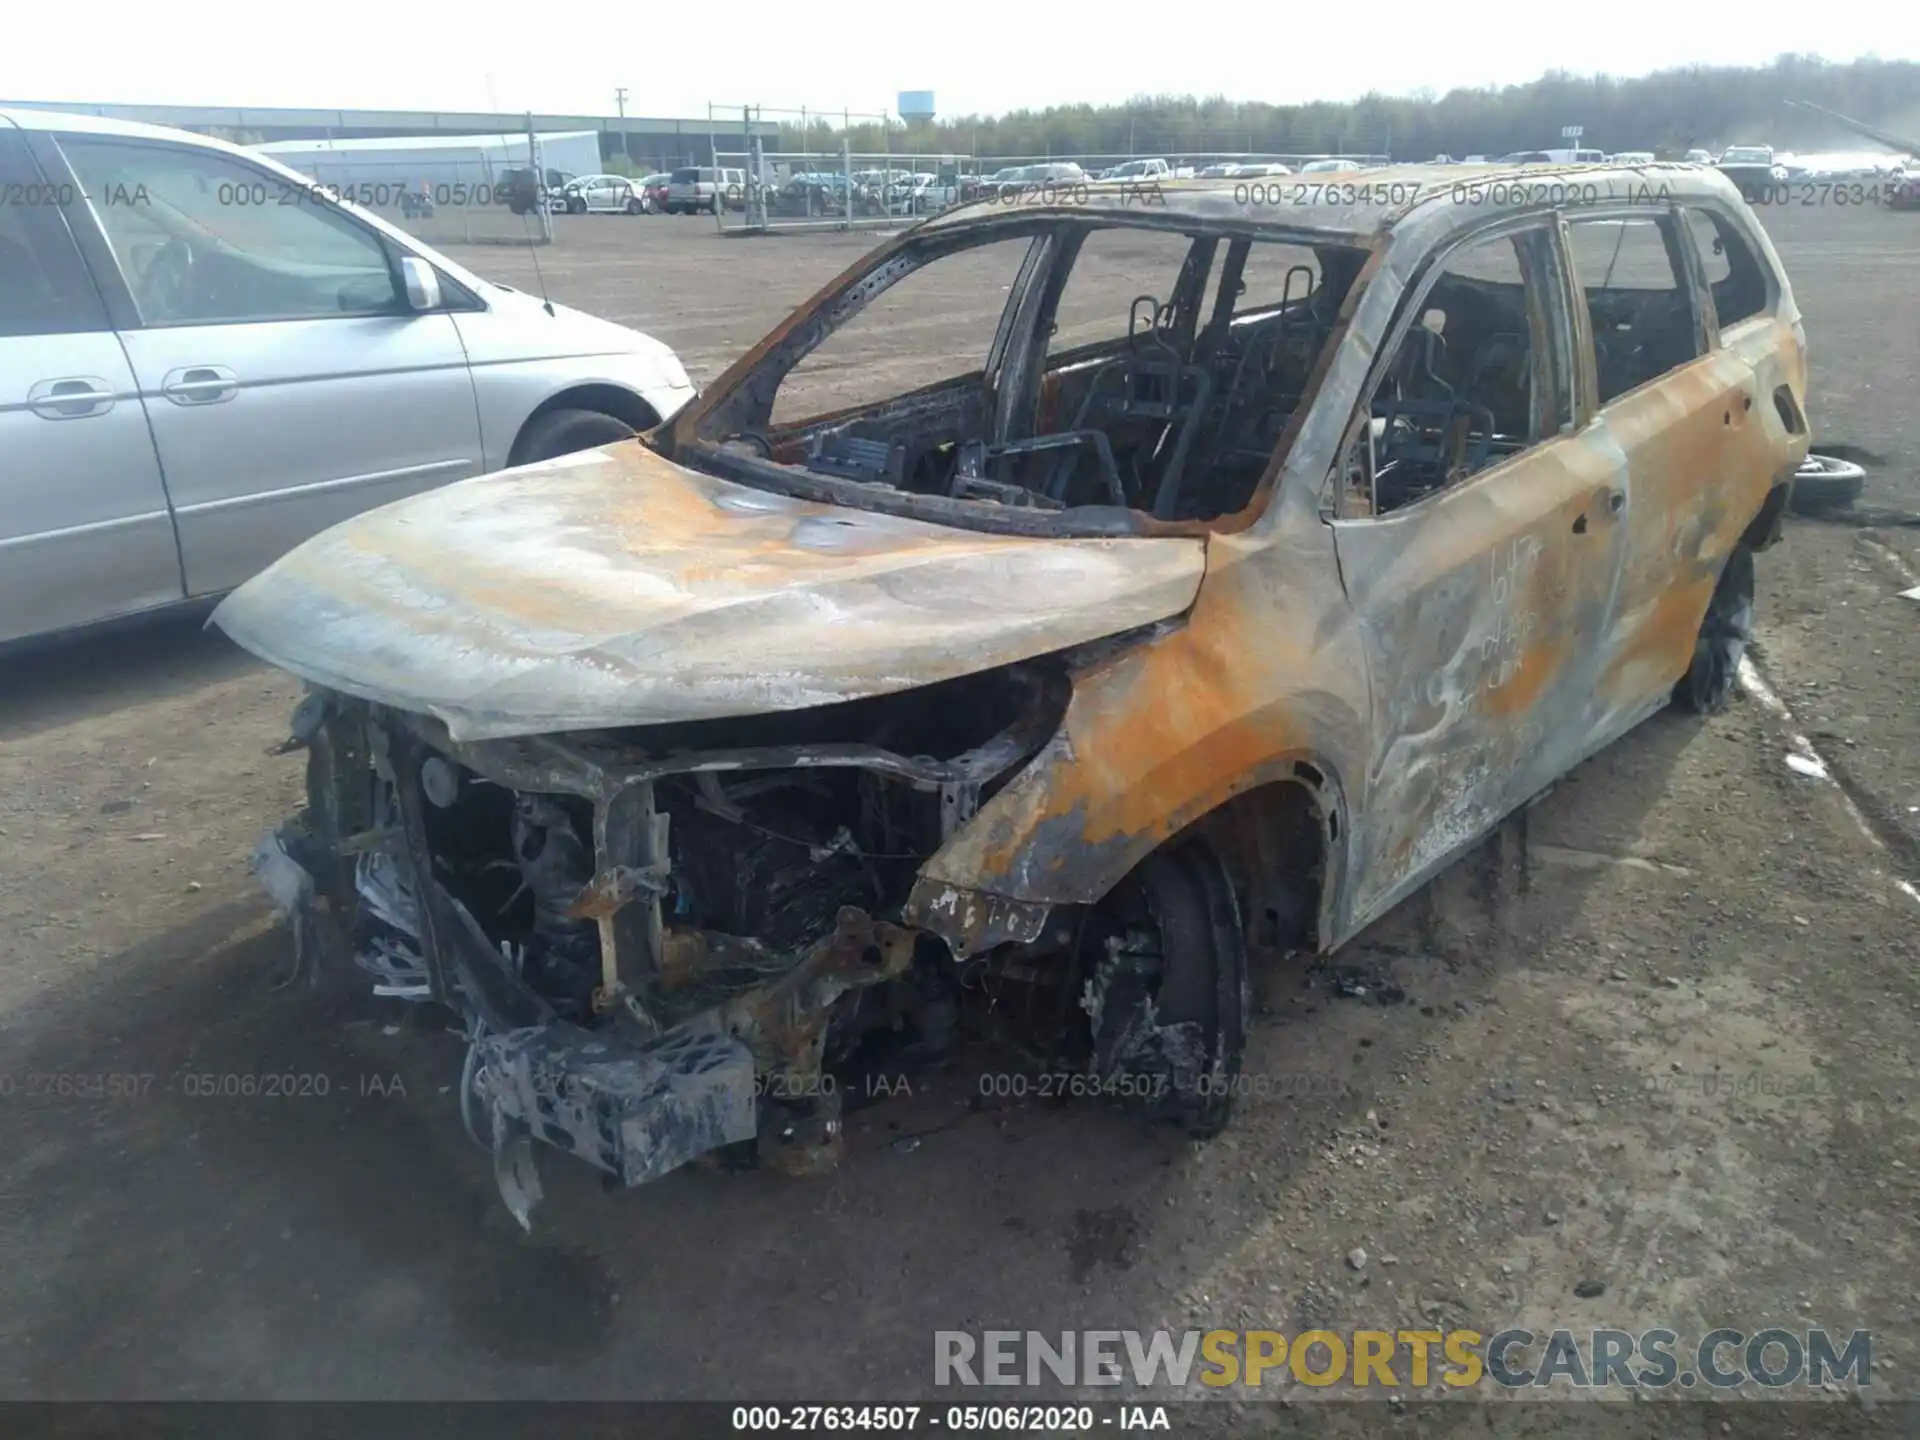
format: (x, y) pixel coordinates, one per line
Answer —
(1668, 112)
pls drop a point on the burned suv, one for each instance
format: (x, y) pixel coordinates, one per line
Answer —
(1077, 605)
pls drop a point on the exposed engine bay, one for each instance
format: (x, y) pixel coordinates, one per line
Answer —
(681, 940)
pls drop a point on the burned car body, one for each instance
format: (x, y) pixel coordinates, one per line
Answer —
(1260, 558)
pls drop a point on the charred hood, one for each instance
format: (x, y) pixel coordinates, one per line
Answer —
(614, 588)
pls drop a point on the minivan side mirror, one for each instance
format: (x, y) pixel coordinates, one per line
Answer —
(422, 282)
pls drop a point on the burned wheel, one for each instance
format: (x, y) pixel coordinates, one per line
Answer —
(1168, 1002)
(1722, 642)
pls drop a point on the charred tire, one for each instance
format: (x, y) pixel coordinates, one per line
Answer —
(633, 205)
(1722, 641)
(1823, 483)
(1185, 898)
(561, 432)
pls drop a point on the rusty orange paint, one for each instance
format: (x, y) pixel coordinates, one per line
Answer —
(1163, 733)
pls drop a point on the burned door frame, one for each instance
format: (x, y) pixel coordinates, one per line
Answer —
(1482, 606)
(1694, 479)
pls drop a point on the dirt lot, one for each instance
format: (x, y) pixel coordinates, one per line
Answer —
(1544, 1102)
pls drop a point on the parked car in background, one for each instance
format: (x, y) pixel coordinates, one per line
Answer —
(190, 387)
(1022, 179)
(1553, 157)
(809, 192)
(856, 665)
(521, 191)
(1634, 157)
(519, 188)
(653, 191)
(1139, 170)
(694, 188)
(1053, 173)
(1751, 167)
(989, 186)
(1259, 168)
(923, 194)
(879, 185)
(1699, 157)
(603, 195)
(1329, 167)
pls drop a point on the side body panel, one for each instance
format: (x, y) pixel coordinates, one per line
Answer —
(85, 532)
(1704, 444)
(1266, 673)
(1483, 609)
(1561, 610)
(322, 419)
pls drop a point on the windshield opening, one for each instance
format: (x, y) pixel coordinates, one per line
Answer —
(1075, 373)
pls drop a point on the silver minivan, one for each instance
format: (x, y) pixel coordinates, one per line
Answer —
(205, 358)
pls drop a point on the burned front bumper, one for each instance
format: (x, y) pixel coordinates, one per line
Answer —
(666, 1040)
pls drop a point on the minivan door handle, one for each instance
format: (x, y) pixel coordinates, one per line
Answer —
(73, 397)
(200, 385)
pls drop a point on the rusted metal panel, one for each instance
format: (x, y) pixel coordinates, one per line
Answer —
(1266, 671)
(615, 588)
(1512, 625)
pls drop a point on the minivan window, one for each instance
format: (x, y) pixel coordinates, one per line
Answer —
(1638, 302)
(1733, 275)
(204, 238)
(44, 285)
(1464, 389)
(684, 177)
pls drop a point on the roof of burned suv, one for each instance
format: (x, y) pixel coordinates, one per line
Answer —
(1355, 203)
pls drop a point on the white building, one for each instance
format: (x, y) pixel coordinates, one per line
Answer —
(433, 161)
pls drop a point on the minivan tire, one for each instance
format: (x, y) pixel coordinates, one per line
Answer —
(561, 432)
(1722, 642)
(1824, 483)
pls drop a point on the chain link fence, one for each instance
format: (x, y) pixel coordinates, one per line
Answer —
(769, 190)
(800, 170)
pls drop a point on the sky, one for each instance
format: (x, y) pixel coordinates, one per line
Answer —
(986, 57)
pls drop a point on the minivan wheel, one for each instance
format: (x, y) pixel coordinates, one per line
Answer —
(1722, 642)
(561, 432)
(1168, 1001)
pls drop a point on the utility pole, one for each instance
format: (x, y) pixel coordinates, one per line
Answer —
(620, 99)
